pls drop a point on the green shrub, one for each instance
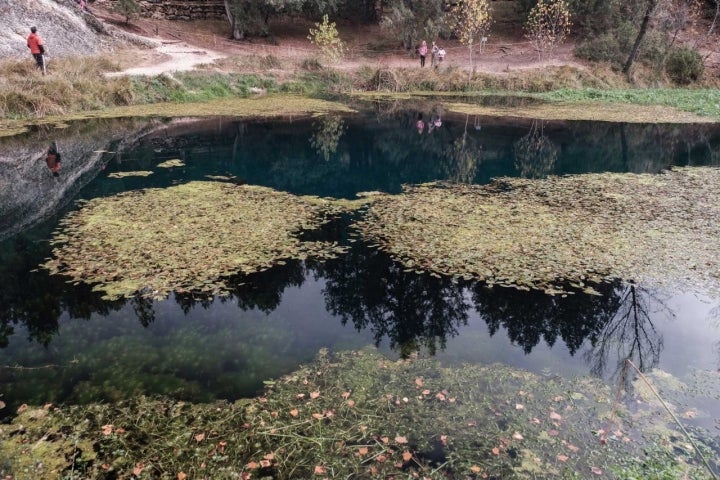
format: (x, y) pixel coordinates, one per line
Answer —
(684, 66)
(603, 48)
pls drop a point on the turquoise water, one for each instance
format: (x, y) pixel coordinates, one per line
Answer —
(62, 343)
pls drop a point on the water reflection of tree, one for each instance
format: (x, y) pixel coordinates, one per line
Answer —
(327, 134)
(531, 316)
(35, 299)
(413, 311)
(630, 333)
(535, 153)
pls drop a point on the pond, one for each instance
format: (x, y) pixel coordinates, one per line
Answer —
(62, 342)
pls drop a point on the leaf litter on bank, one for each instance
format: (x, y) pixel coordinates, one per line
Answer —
(561, 233)
(472, 429)
(185, 238)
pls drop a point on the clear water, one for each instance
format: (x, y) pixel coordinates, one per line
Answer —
(61, 343)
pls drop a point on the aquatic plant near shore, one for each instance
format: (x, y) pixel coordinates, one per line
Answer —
(185, 238)
(353, 414)
(561, 233)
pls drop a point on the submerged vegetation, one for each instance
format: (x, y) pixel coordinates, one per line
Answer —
(185, 238)
(559, 233)
(355, 414)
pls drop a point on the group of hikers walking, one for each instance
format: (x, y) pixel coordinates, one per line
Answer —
(437, 54)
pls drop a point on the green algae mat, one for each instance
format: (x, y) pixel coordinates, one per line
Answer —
(358, 415)
(559, 234)
(190, 237)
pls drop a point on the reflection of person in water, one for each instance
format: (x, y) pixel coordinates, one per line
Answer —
(420, 124)
(53, 159)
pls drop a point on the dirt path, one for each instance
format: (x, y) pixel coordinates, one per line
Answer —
(173, 56)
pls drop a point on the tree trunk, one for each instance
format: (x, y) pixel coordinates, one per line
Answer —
(640, 36)
(236, 33)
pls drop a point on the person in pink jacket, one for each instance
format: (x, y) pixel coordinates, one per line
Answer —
(423, 52)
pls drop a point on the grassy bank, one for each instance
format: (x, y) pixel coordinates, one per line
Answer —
(76, 86)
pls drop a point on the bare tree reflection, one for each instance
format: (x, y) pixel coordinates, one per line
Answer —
(630, 333)
(535, 153)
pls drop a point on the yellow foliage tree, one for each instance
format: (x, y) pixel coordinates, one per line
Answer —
(471, 21)
(548, 25)
(325, 35)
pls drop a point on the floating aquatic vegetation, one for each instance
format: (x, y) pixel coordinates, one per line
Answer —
(185, 238)
(139, 173)
(351, 415)
(175, 162)
(559, 232)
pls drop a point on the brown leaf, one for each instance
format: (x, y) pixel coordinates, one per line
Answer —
(294, 412)
(475, 469)
(444, 439)
(517, 436)
(596, 471)
(553, 433)
(22, 408)
(2, 404)
(573, 448)
(496, 451)
(265, 463)
(252, 465)
(199, 437)
(419, 382)
(315, 394)
(362, 451)
(320, 470)
(350, 403)
(399, 439)
(106, 429)
(384, 440)
(317, 416)
(269, 456)
(519, 406)
(555, 416)
(406, 456)
(426, 392)
(381, 458)
(139, 467)
(181, 476)
(345, 395)
(562, 458)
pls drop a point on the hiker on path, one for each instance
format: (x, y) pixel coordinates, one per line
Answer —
(423, 52)
(433, 54)
(37, 48)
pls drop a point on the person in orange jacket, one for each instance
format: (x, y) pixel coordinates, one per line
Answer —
(37, 48)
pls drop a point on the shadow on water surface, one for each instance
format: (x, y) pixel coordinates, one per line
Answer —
(202, 348)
